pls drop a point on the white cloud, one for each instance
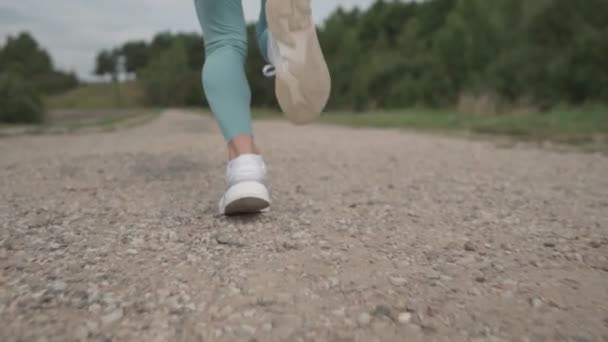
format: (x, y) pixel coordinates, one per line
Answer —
(74, 30)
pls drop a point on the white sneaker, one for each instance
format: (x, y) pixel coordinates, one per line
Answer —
(245, 181)
(302, 83)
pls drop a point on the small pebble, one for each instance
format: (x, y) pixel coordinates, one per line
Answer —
(339, 312)
(536, 302)
(397, 281)
(364, 319)
(595, 244)
(469, 246)
(92, 326)
(474, 291)
(112, 317)
(248, 329)
(333, 281)
(95, 308)
(498, 267)
(249, 313)
(60, 286)
(382, 310)
(469, 259)
(405, 317)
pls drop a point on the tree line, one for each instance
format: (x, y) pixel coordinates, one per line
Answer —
(26, 73)
(432, 53)
(395, 54)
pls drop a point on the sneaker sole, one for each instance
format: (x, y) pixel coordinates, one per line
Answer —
(245, 198)
(303, 83)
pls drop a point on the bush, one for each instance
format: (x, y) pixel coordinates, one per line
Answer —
(22, 55)
(19, 103)
(56, 82)
(168, 79)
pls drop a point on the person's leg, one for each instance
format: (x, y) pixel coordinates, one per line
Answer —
(261, 30)
(229, 97)
(224, 79)
(288, 40)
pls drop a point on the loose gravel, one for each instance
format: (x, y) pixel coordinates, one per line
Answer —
(374, 235)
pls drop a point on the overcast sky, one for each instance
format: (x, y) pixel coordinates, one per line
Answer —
(73, 31)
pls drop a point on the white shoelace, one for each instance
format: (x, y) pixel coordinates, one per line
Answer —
(269, 70)
(274, 57)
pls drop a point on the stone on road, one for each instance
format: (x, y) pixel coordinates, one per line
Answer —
(113, 236)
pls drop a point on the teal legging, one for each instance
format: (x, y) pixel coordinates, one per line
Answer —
(224, 79)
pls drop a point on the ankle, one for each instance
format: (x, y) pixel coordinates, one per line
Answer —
(242, 145)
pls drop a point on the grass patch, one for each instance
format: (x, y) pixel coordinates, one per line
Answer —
(60, 122)
(266, 113)
(98, 95)
(564, 126)
(102, 120)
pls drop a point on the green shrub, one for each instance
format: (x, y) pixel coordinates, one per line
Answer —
(168, 79)
(19, 103)
(23, 55)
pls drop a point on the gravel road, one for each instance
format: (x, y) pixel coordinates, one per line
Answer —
(374, 235)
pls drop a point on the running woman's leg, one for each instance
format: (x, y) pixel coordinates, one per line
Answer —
(288, 38)
(261, 31)
(229, 97)
(224, 79)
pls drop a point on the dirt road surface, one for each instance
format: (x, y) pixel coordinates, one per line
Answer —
(374, 235)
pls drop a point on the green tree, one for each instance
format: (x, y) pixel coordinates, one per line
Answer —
(23, 55)
(161, 42)
(168, 79)
(136, 54)
(19, 102)
(107, 63)
(429, 53)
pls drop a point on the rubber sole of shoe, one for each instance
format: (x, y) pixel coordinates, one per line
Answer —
(245, 198)
(303, 83)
